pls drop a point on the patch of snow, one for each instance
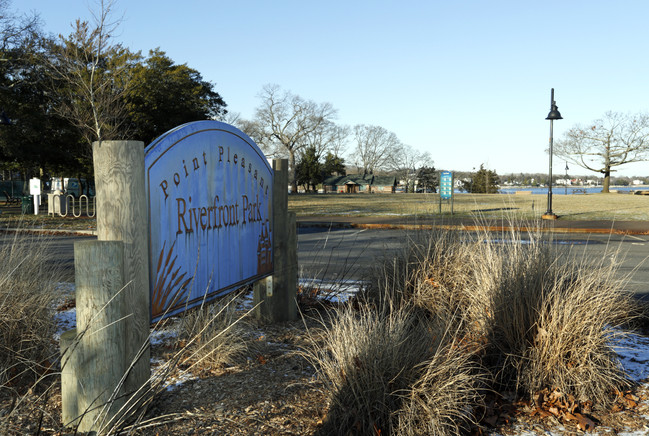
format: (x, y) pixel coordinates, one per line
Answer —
(163, 335)
(65, 320)
(337, 291)
(633, 352)
(245, 301)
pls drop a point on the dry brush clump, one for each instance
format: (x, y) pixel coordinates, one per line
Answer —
(430, 272)
(553, 319)
(577, 325)
(381, 365)
(447, 395)
(535, 315)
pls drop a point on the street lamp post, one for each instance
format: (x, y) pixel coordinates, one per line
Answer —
(553, 115)
(566, 185)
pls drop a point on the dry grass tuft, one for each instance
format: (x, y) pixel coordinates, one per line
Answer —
(28, 354)
(27, 303)
(379, 364)
(445, 397)
(551, 319)
(578, 323)
(214, 335)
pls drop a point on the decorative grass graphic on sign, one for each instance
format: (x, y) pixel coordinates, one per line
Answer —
(170, 285)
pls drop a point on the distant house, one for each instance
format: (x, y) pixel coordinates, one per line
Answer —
(358, 183)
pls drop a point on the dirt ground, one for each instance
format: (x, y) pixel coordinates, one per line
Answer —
(274, 390)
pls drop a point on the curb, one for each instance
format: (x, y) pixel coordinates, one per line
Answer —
(371, 226)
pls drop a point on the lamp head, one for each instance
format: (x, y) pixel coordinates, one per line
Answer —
(554, 110)
(554, 114)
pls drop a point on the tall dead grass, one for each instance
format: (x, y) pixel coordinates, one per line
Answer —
(29, 356)
(27, 302)
(379, 367)
(28, 277)
(551, 318)
(215, 335)
(533, 314)
(578, 322)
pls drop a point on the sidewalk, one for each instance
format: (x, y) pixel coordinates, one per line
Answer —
(557, 226)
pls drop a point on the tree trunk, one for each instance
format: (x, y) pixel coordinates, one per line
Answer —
(292, 171)
(607, 180)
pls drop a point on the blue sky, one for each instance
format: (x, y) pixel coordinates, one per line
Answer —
(467, 81)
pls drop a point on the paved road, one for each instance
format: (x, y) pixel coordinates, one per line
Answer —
(346, 253)
(58, 248)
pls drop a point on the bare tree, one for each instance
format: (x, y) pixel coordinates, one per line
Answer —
(253, 129)
(330, 138)
(232, 118)
(375, 147)
(614, 140)
(91, 74)
(405, 162)
(286, 121)
(18, 36)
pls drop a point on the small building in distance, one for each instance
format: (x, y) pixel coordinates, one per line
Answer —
(359, 183)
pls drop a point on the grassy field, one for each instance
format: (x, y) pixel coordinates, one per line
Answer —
(619, 207)
(525, 206)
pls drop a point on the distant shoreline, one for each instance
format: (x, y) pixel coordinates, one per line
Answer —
(562, 190)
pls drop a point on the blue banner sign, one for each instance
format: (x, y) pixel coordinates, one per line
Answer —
(446, 185)
(209, 190)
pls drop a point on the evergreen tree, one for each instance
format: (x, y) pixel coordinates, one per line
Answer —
(333, 165)
(427, 179)
(308, 172)
(483, 182)
(163, 95)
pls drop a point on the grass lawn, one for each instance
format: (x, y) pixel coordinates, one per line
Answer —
(612, 206)
(619, 207)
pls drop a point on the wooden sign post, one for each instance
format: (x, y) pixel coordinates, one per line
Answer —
(108, 360)
(275, 296)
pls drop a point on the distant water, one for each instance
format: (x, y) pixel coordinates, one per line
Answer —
(560, 190)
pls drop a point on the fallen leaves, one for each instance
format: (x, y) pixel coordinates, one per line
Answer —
(625, 400)
(552, 405)
(564, 407)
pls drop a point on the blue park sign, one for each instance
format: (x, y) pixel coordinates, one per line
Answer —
(209, 195)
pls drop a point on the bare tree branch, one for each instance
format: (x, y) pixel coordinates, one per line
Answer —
(286, 122)
(94, 73)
